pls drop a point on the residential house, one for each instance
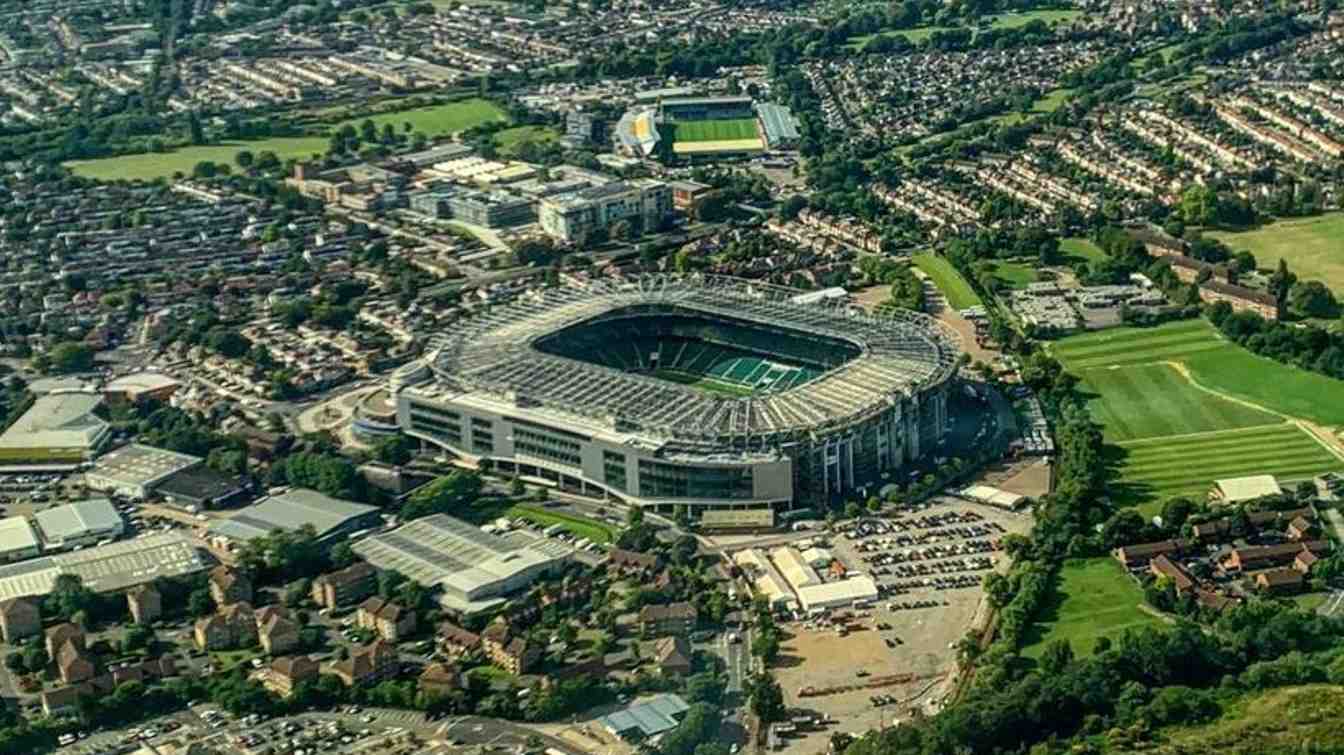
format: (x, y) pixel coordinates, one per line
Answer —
(456, 641)
(368, 665)
(1279, 581)
(1163, 567)
(72, 664)
(511, 652)
(388, 618)
(229, 586)
(276, 631)
(1304, 561)
(145, 604)
(62, 700)
(342, 588)
(62, 634)
(288, 672)
(1265, 556)
(673, 656)
(1300, 528)
(233, 625)
(625, 562)
(440, 679)
(1141, 553)
(19, 618)
(673, 618)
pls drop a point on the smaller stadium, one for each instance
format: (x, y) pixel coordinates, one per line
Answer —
(688, 128)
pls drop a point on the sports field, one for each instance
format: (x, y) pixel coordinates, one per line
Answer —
(1094, 597)
(1313, 247)
(1181, 407)
(1081, 249)
(722, 130)
(959, 293)
(440, 120)
(1153, 470)
(999, 21)
(152, 165)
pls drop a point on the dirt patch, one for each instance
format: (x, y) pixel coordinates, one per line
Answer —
(1029, 477)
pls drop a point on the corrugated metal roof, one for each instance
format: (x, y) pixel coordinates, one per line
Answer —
(79, 518)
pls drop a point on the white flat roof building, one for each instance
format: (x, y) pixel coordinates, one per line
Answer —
(134, 470)
(794, 568)
(106, 568)
(766, 579)
(473, 569)
(59, 428)
(79, 523)
(1237, 489)
(843, 592)
(17, 539)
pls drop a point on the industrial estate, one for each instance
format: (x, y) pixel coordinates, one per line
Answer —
(710, 378)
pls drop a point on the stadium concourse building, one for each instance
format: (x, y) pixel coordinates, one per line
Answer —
(706, 391)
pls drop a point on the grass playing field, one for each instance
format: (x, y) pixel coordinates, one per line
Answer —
(1080, 249)
(729, 130)
(1151, 471)
(437, 120)
(959, 293)
(1000, 21)
(511, 139)
(1181, 407)
(150, 166)
(1313, 247)
(1094, 597)
(1015, 274)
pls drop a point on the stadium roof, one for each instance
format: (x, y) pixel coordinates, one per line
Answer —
(638, 130)
(57, 420)
(494, 357)
(16, 534)
(780, 125)
(690, 101)
(106, 568)
(469, 563)
(290, 510)
(648, 718)
(138, 464)
(76, 519)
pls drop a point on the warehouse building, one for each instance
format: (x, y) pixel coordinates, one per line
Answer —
(59, 430)
(473, 570)
(646, 719)
(133, 471)
(106, 568)
(79, 524)
(200, 487)
(332, 518)
(18, 541)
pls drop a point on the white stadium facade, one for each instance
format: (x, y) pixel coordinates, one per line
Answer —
(696, 390)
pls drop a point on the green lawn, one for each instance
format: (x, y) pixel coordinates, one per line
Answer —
(1094, 598)
(1000, 21)
(1168, 436)
(1313, 247)
(510, 140)
(1150, 471)
(1076, 249)
(1147, 401)
(959, 293)
(723, 130)
(433, 121)
(1015, 274)
(154, 165)
(440, 120)
(598, 532)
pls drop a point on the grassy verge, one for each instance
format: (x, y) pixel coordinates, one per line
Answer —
(578, 526)
(959, 293)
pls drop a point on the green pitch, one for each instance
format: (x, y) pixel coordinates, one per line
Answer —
(1181, 407)
(715, 131)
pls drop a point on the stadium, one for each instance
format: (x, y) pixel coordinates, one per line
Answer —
(706, 391)
(688, 128)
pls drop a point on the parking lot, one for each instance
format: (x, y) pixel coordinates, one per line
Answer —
(860, 669)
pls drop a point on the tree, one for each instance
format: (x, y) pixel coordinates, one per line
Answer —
(456, 489)
(136, 637)
(1056, 657)
(397, 449)
(766, 697)
(195, 129)
(35, 658)
(199, 603)
(243, 159)
(70, 356)
(1312, 299)
(711, 208)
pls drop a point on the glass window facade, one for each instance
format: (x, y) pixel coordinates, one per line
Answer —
(661, 480)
